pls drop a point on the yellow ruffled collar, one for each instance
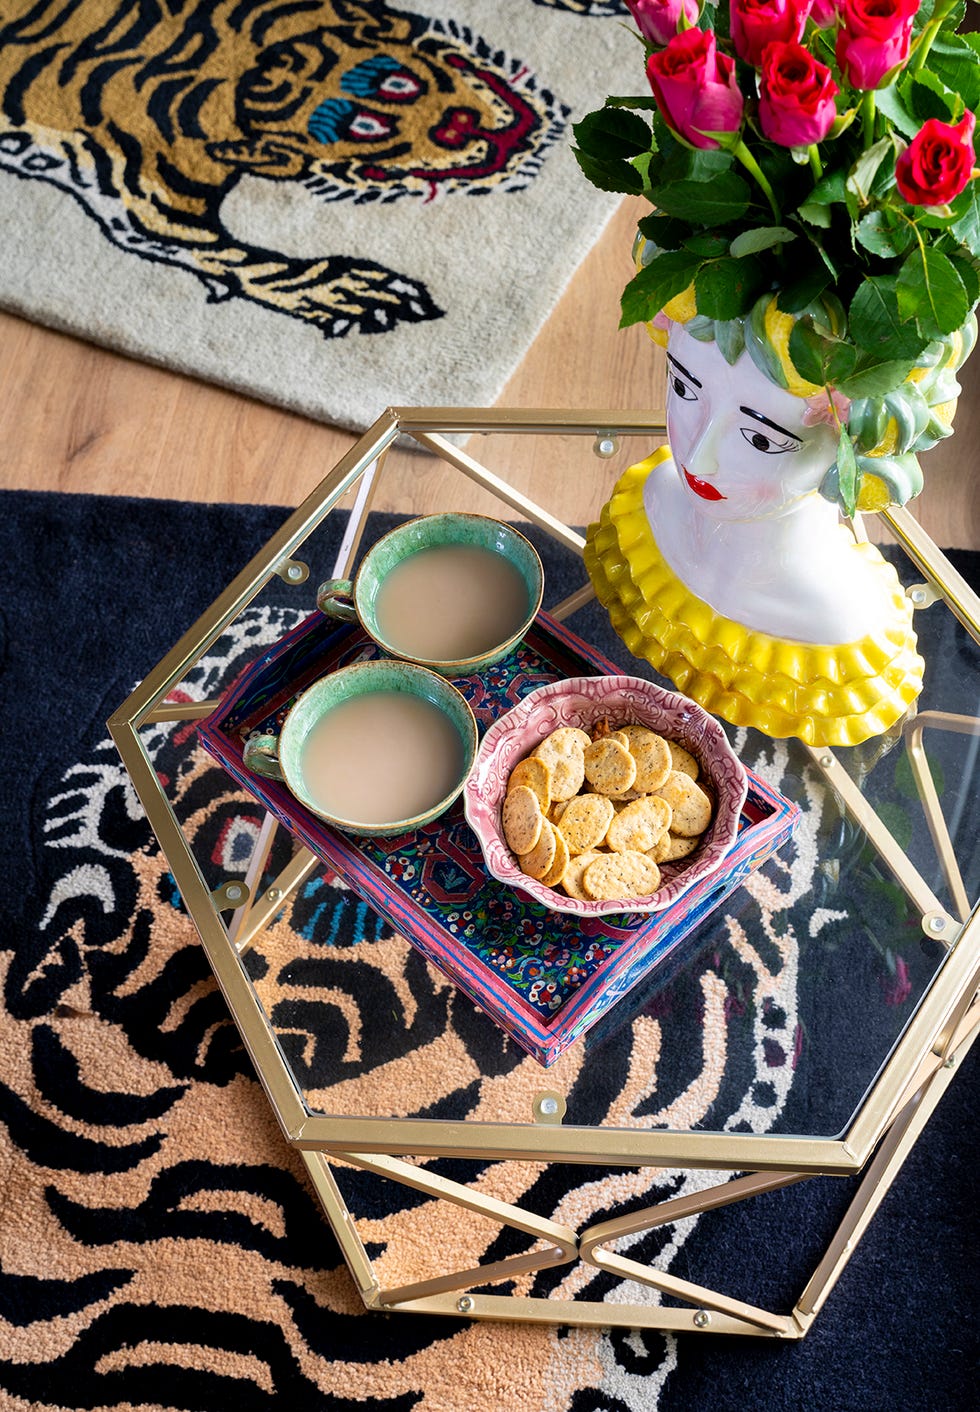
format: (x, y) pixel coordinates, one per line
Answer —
(826, 695)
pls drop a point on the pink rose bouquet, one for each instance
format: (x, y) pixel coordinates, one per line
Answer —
(818, 151)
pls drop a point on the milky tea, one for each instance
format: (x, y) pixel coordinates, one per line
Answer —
(381, 757)
(449, 602)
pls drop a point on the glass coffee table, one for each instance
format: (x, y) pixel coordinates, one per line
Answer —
(511, 1117)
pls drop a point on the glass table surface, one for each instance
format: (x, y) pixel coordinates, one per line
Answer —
(781, 1035)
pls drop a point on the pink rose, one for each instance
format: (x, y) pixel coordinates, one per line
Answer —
(756, 23)
(695, 87)
(657, 20)
(874, 39)
(938, 162)
(796, 97)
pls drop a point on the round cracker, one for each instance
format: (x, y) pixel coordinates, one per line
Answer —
(541, 858)
(683, 760)
(609, 766)
(563, 752)
(556, 872)
(672, 847)
(584, 821)
(572, 881)
(522, 819)
(652, 755)
(613, 877)
(534, 773)
(639, 825)
(690, 805)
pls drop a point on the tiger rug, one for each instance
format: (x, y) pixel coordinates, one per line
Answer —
(162, 1246)
(167, 123)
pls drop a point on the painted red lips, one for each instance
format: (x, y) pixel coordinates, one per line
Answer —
(704, 488)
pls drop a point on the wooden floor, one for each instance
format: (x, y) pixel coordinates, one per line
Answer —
(74, 417)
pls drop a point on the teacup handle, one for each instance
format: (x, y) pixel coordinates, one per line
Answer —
(261, 756)
(336, 599)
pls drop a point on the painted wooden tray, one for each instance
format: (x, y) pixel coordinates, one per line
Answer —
(544, 977)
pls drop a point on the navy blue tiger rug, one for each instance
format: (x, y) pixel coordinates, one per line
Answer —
(160, 1243)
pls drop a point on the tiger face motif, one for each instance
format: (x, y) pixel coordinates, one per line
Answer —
(150, 116)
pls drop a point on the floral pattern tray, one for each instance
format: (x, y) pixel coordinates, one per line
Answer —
(543, 976)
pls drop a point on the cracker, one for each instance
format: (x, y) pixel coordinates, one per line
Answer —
(672, 847)
(577, 864)
(522, 819)
(620, 876)
(639, 825)
(541, 858)
(562, 751)
(556, 872)
(584, 821)
(683, 760)
(652, 755)
(534, 773)
(691, 806)
(609, 766)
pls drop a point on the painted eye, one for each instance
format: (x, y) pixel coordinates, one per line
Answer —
(768, 445)
(369, 127)
(337, 118)
(682, 389)
(382, 77)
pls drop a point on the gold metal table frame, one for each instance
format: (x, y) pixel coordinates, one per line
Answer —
(877, 1139)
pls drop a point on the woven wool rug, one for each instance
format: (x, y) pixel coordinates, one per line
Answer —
(160, 1246)
(333, 205)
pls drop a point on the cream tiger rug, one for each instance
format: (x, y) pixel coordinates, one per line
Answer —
(160, 1244)
(334, 205)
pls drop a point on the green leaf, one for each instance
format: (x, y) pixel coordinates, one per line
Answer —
(808, 351)
(829, 188)
(889, 102)
(724, 198)
(798, 294)
(610, 175)
(953, 58)
(847, 472)
(874, 378)
(927, 96)
(878, 233)
(930, 291)
(816, 214)
(610, 134)
(726, 289)
(875, 323)
(968, 273)
(643, 102)
(862, 177)
(966, 217)
(664, 231)
(762, 238)
(656, 284)
(710, 247)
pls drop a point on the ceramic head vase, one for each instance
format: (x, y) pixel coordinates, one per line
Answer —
(723, 560)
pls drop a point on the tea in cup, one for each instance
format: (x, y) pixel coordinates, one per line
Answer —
(452, 592)
(378, 748)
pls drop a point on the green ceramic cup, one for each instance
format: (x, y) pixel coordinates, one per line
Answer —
(355, 600)
(280, 757)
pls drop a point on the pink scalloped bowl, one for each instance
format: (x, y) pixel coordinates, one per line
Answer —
(583, 702)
